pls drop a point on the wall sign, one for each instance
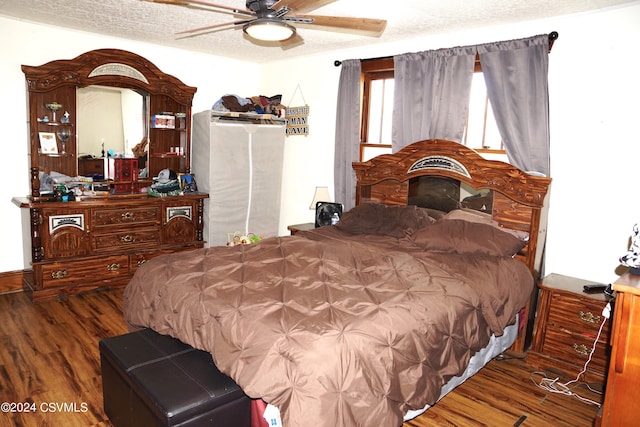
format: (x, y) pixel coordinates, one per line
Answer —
(297, 119)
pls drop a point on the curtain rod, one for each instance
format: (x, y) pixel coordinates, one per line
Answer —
(553, 36)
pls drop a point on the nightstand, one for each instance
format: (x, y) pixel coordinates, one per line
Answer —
(301, 227)
(567, 324)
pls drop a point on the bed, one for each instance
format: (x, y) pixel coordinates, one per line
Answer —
(372, 320)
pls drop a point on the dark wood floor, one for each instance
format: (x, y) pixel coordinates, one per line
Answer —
(49, 359)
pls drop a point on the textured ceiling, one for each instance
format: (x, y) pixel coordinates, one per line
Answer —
(157, 23)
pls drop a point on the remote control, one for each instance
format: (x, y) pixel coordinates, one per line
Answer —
(594, 289)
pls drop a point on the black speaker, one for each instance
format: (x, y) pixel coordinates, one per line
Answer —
(325, 211)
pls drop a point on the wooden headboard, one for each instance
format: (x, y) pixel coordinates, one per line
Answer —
(518, 197)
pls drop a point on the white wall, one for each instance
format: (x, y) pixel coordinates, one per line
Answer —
(32, 44)
(595, 140)
(594, 98)
(595, 143)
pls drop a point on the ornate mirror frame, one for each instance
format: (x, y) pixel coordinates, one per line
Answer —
(57, 81)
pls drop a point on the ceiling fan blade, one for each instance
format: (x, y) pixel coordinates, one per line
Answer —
(188, 3)
(212, 27)
(301, 5)
(367, 26)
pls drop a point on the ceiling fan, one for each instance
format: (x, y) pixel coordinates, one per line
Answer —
(272, 20)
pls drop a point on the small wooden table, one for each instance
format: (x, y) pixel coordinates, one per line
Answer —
(301, 227)
(567, 323)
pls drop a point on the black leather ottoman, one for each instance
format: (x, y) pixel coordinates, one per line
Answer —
(150, 379)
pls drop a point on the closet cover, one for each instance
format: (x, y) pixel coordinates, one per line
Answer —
(240, 165)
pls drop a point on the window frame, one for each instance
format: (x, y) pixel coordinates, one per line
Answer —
(383, 68)
(371, 69)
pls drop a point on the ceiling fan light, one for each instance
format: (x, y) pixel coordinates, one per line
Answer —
(268, 29)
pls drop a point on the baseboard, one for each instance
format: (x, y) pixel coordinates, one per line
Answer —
(12, 281)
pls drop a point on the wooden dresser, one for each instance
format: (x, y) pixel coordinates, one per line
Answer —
(566, 327)
(620, 407)
(101, 239)
(78, 246)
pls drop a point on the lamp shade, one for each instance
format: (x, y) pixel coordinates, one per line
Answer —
(321, 195)
(269, 29)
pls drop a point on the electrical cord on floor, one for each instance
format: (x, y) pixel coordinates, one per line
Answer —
(553, 386)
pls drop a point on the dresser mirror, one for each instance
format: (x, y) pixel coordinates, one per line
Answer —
(110, 118)
(111, 97)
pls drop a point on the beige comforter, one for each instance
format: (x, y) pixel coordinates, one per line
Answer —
(335, 329)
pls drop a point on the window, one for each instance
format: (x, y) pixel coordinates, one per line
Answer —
(377, 108)
(481, 132)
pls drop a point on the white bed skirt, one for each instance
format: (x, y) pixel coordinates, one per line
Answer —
(496, 346)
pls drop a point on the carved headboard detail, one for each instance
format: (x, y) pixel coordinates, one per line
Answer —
(385, 176)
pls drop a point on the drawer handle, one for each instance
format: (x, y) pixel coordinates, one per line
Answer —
(126, 239)
(589, 317)
(127, 215)
(581, 349)
(113, 267)
(142, 261)
(61, 274)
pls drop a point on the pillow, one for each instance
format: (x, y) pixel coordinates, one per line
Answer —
(434, 213)
(484, 218)
(465, 237)
(470, 215)
(376, 218)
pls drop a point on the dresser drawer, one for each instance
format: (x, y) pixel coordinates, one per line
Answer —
(65, 232)
(126, 239)
(83, 271)
(140, 258)
(126, 215)
(575, 349)
(578, 315)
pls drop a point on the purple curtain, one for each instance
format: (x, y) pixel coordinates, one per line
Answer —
(516, 75)
(431, 95)
(347, 144)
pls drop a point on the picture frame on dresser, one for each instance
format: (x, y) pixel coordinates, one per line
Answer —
(188, 183)
(48, 143)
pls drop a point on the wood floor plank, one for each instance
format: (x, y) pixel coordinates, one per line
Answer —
(49, 355)
(500, 394)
